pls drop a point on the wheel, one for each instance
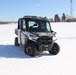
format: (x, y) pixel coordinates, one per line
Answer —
(30, 49)
(55, 49)
(16, 42)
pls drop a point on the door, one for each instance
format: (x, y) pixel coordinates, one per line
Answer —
(19, 30)
(23, 29)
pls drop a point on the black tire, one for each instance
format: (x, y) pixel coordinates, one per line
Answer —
(30, 49)
(55, 49)
(16, 42)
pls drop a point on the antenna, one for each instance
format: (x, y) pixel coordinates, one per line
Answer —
(71, 9)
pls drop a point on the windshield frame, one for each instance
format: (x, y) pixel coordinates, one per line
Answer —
(43, 21)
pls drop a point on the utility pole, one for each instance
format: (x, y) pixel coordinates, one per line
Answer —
(71, 9)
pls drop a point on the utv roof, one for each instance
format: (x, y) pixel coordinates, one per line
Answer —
(36, 18)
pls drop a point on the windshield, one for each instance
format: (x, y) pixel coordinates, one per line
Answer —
(39, 26)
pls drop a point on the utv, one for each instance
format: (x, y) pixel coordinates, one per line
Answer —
(35, 34)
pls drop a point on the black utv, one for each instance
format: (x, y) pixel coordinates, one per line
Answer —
(35, 34)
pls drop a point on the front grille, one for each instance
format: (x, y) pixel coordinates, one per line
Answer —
(45, 40)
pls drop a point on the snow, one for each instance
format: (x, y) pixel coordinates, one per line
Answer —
(13, 61)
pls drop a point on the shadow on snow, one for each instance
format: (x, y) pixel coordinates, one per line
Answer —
(11, 51)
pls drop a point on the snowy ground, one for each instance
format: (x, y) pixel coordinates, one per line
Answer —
(13, 61)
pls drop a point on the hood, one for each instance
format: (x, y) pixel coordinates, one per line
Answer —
(43, 34)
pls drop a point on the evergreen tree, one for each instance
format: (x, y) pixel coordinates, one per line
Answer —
(56, 18)
(63, 17)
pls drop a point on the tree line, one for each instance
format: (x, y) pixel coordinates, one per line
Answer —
(63, 18)
(7, 22)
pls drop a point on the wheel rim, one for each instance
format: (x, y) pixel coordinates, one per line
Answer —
(29, 50)
(54, 49)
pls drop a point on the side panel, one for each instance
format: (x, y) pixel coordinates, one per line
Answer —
(23, 39)
(19, 36)
(16, 31)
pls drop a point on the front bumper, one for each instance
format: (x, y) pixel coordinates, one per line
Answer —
(44, 43)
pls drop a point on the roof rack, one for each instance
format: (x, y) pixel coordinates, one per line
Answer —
(36, 17)
(30, 16)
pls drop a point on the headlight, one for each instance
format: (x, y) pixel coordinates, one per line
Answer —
(33, 37)
(54, 34)
(54, 38)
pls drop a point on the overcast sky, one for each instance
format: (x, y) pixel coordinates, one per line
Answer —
(14, 9)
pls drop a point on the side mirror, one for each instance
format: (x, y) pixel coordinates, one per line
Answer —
(54, 33)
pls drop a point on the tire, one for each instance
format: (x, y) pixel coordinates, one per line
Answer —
(30, 50)
(16, 42)
(55, 49)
